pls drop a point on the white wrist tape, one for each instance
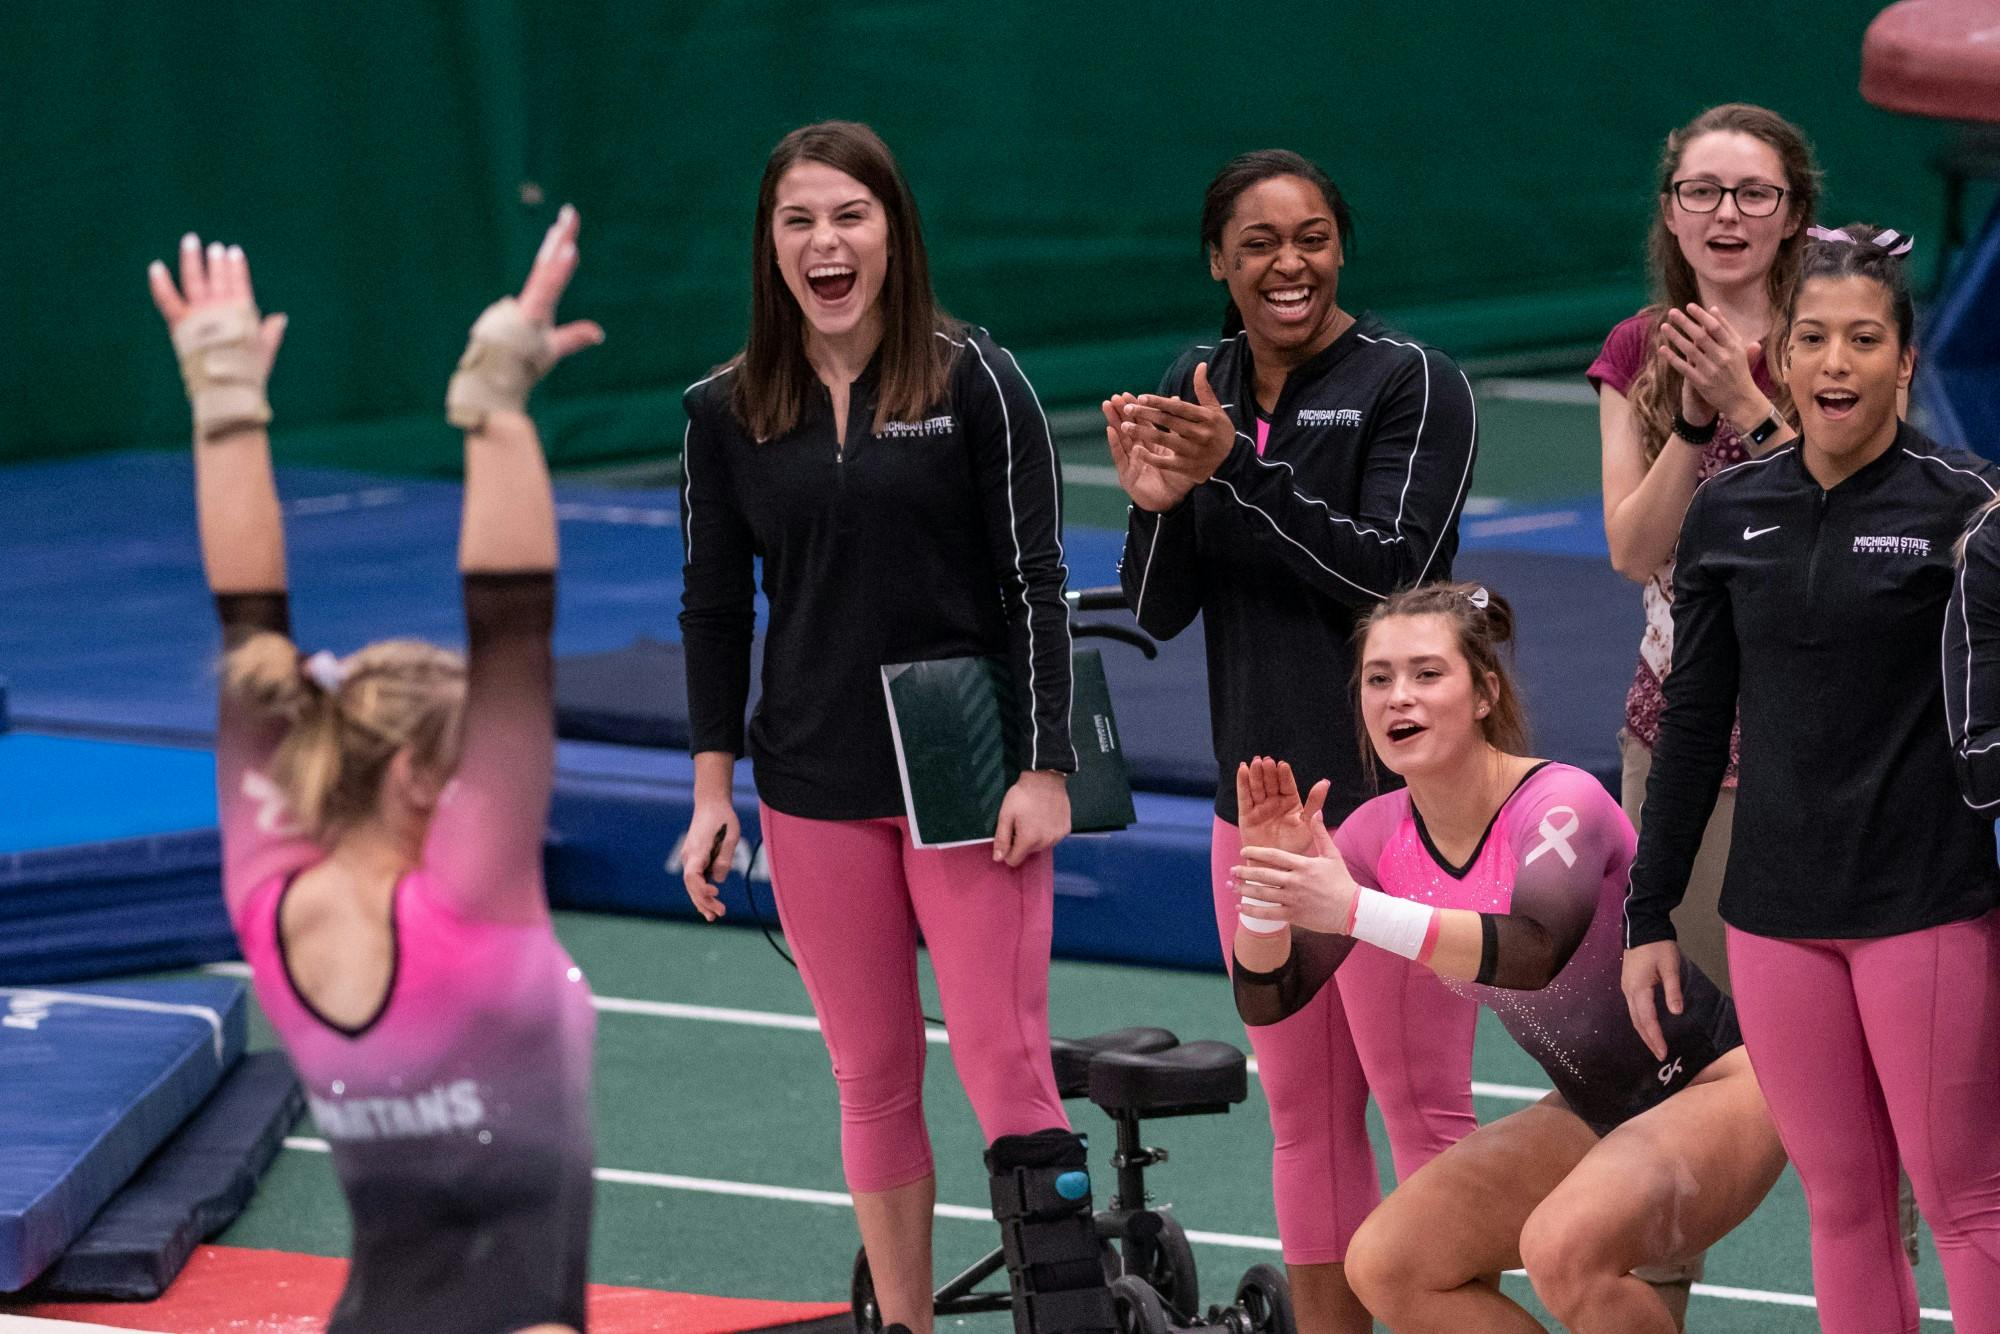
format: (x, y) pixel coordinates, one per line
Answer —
(1262, 926)
(1387, 922)
(505, 356)
(223, 368)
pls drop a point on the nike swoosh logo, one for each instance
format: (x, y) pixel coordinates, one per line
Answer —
(1752, 533)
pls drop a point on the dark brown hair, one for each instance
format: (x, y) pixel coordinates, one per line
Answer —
(773, 377)
(1238, 174)
(1863, 256)
(1480, 631)
(1656, 392)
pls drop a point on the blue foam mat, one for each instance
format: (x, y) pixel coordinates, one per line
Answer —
(97, 1078)
(191, 1189)
(56, 791)
(109, 860)
(615, 824)
(135, 905)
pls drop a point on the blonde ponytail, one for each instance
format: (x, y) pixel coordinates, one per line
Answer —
(341, 735)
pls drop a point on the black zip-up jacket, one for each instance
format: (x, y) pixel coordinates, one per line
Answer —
(935, 538)
(1357, 494)
(1818, 614)
(1972, 667)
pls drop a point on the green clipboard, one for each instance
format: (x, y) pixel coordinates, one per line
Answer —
(958, 748)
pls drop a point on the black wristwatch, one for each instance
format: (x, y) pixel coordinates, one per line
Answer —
(1695, 435)
(1764, 430)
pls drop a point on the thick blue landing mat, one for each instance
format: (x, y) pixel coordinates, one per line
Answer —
(61, 791)
(108, 859)
(1141, 895)
(97, 1078)
(195, 1186)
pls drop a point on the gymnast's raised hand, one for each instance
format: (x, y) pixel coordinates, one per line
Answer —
(225, 347)
(516, 341)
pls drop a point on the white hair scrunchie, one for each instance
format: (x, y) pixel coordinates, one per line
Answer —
(325, 671)
(1888, 239)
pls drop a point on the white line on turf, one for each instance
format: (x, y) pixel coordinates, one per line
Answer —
(967, 1213)
(645, 516)
(1522, 523)
(805, 1023)
(373, 498)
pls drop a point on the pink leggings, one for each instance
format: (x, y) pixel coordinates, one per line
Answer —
(1871, 1050)
(1383, 1025)
(852, 895)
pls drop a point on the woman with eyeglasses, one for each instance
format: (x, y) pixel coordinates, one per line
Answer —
(1685, 390)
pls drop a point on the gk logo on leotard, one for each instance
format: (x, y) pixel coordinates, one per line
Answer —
(1669, 1073)
(1556, 835)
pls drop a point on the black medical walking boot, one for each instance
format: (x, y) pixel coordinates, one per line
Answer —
(1041, 1199)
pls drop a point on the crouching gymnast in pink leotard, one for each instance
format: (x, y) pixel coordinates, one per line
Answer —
(382, 822)
(1505, 876)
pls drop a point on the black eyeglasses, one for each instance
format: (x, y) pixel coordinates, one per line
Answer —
(1754, 199)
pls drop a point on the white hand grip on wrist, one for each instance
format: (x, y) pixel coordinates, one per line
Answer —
(223, 368)
(503, 359)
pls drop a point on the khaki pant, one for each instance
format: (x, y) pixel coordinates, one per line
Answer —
(1696, 921)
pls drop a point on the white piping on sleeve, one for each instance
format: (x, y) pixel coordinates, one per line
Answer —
(687, 480)
(1055, 520)
(1020, 568)
(1465, 478)
(1967, 472)
(1310, 555)
(687, 492)
(1423, 416)
(1139, 607)
(1960, 734)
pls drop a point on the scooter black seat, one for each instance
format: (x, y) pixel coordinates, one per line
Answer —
(1183, 1080)
(1073, 1055)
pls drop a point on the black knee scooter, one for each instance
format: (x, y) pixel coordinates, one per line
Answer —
(1134, 1075)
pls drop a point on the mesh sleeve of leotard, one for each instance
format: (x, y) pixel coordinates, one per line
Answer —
(259, 837)
(484, 851)
(1567, 835)
(1266, 998)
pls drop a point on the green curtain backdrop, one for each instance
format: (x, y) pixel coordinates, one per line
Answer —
(389, 167)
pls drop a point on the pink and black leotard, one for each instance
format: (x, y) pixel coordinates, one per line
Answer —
(459, 1115)
(1548, 881)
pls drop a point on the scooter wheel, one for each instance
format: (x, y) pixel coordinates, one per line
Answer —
(1136, 1307)
(1265, 1298)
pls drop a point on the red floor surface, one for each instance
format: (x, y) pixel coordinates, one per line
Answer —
(233, 1290)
